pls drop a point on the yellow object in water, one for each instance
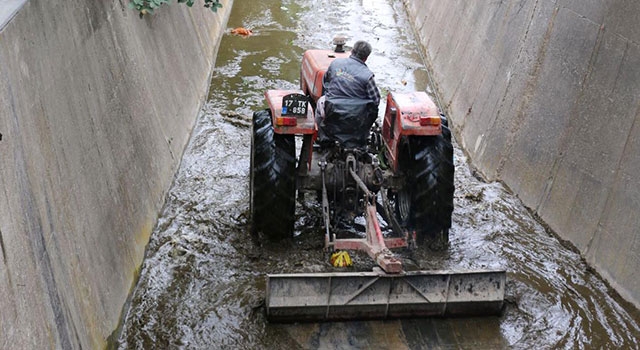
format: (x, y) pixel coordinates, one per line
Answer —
(341, 259)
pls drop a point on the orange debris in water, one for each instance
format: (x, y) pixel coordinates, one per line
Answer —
(241, 31)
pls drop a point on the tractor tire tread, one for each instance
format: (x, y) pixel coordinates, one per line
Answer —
(273, 179)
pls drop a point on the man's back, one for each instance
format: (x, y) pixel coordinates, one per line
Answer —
(352, 99)
(348, 78)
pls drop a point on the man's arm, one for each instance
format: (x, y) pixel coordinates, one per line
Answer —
(372, 91)
(326, 79)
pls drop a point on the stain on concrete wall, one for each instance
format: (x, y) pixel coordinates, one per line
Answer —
(545, 96)
(96, 106)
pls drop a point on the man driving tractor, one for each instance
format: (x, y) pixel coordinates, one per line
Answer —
(349, 105)
(400, 181)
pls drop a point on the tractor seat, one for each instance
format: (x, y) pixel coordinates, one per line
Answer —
(348, 122)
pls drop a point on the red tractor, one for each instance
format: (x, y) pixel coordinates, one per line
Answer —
(407, 165)
(401, 180)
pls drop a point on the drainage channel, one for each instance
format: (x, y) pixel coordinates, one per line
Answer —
(203, 280)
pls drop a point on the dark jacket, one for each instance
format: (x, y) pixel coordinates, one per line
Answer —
(347, 78)
(349, 111)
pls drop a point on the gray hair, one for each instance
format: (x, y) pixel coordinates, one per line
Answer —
(361, 49)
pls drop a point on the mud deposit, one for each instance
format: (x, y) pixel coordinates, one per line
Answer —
(202, 283)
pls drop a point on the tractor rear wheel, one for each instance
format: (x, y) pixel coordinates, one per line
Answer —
(426, 203)
(273, 181)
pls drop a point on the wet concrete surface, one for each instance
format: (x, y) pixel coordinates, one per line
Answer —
(203, 280)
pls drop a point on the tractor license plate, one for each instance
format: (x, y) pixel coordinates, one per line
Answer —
(294, 105)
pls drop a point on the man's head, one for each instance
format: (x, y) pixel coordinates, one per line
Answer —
(361, 49)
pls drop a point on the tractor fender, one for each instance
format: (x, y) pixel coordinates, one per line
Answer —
(291, 125)
(408, 114)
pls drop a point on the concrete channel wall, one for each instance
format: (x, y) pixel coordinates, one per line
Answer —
(96, 107)
(545, 96)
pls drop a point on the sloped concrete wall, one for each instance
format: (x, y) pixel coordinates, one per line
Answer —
(545, 96)
(96, 106)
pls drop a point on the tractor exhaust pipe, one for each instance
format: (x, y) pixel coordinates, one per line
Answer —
(339, 42)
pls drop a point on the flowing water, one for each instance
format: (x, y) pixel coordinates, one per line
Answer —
(203, 280)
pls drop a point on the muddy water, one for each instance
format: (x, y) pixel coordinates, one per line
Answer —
(202, 282)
